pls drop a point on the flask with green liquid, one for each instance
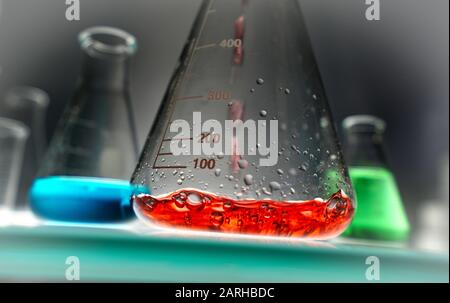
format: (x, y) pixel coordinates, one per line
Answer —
(380, 214)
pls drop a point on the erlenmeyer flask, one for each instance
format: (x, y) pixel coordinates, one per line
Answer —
(244, 141)
(29, 106)
(93, 151)
(380, 214)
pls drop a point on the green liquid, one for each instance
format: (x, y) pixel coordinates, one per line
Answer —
(380, 214)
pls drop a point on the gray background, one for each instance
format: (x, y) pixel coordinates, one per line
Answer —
(396, 68)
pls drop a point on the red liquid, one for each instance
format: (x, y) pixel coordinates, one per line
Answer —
(194, 209)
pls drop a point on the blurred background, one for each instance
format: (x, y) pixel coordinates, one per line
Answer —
(396, 68)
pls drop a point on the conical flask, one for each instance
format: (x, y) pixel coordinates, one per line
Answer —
(93, 151)
(244, 141)
(380, 214)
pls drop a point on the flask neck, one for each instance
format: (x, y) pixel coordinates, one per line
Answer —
(364, 141)
(365, 149)
(102, 73)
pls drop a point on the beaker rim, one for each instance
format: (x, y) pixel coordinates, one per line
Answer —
(126, 43)
(10, 126)
(364, 123)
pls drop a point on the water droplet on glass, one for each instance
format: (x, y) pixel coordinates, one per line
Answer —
(263, 113)
(260, 81)
(252, 90)
(248, 179)
(217, 172)
(287, 91)
(274, 185)
(220, 155)
(243, 164)
(179, 181)
(280, 171)
(324, 122)
(292, 171)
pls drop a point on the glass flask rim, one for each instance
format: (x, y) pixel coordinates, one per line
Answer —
(127, 46)
(364, 124)
(28, 93)
(14, 127)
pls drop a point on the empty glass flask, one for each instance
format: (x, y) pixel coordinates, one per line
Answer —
(93, 151)
(13, 137)
(29, 106)
(244, 141)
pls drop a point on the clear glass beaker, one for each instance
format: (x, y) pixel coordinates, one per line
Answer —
(29, 106)
(13, 137)
(94, 150)
(380, 215)
(244, 141)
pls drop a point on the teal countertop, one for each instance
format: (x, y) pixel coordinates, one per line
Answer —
(133, 253)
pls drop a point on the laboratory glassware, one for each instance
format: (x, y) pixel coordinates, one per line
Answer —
(380, 214)
(244, 141)
(93, 152)
(13, 137)
(29, 106)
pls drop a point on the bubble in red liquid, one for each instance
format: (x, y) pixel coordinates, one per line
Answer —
(199, 210)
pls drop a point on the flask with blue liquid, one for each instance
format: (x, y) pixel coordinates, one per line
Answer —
(84, 176)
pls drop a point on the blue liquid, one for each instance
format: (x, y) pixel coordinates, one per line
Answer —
(83, 199)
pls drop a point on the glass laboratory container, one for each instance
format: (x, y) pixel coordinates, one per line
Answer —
(93, 151)
(13, 137)
(244, 141)
(380, 213)
(29, 106)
